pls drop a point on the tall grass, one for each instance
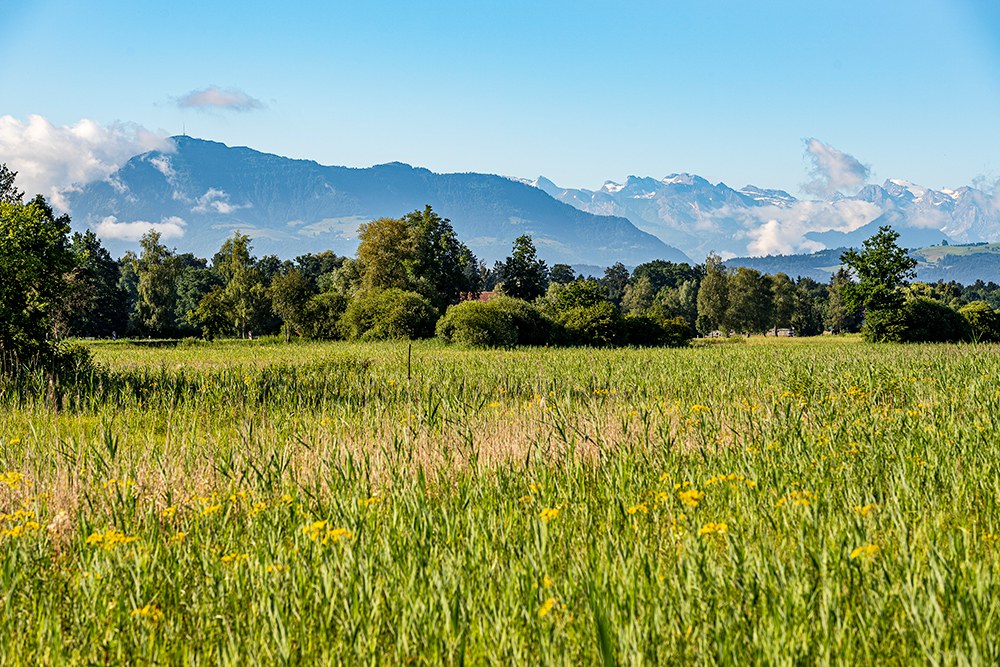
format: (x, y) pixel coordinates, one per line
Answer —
(264, 503)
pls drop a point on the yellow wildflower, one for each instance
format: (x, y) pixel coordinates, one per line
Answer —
(866, 550)
(804, 498)
(549, 513)
(711, 527)
(866, 509)
(691, 497)
(169, 512)
(150, 612)
(319, 532)
(641, 507)
(547, 582)
(211, 509)
(374, 500)
(547, 607)
(13, 479)
(698, 408)
(234, 557)
(178, 536)
(109, 539)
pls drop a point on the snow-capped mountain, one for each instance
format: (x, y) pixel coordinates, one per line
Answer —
(698, 217)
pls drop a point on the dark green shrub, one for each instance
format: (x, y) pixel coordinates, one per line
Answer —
(930, 321)
(477, 324)
(884, 326)
(389, 314)
(983, 321)
(599, 325)
(532, 327)
(322, 316)
(650, 331)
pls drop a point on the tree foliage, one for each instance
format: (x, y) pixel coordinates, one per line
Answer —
(419, 252)
(522, 275)
(34, 259)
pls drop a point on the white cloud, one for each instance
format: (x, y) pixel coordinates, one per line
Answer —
(110, 228)
(782, 230)
(214, 97)
(162, 164)
(50, 159)
(218, 201)
(833, 170)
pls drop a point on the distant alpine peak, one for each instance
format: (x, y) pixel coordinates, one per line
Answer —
(768, 196)
(898, 188)
(612, 187)
(680, 179)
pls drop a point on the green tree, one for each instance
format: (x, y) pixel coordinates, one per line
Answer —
(384, 253)
(983, 320)
(290, 294)
(638, 296)
(680, 301)
(751, 303)
(562, 274)
(419, 252)
(615, 281)
(839, 317)
(810, 304)
(34, 258)
(663, 274)
(522, 275)
(154, 312)
(93, 304)
(713, 296)
(244, 289)
(882, 269)
(443, 269)
(783, 300)
(389, 314)
(9, 194)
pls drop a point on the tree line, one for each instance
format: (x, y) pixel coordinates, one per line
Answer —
(412, 277)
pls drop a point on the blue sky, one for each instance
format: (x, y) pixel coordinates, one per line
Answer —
(578, 91)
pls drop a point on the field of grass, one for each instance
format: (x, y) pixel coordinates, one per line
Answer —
(778, 502)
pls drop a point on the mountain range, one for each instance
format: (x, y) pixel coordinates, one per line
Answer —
(197, 194)
(698, 217)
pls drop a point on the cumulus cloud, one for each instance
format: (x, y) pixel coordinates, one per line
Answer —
(782, 230)
(833, 170)
(50, 159)
(215, 200)
(214, 97)
(111, 228)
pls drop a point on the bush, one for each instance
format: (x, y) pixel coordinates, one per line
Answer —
(884, 326)
(532, 327)
(322, 316)
(477, 324)
(929, 321)
(983, 321)
(650, 331)
(389, 314)
(598, 325)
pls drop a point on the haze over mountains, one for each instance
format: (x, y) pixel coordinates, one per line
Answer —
(197, 194)
(698, 217)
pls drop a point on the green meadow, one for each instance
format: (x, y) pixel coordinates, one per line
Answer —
(772, 501)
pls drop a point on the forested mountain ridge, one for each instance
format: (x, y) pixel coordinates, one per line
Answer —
(197, 195)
